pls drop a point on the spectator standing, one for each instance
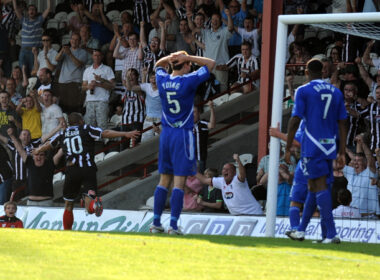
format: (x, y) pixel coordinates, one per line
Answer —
(130, 56)
(9, 220)
(8, 116)
(101, 27)
(14, 96)
(30, 111)
(73, 65)
(6, 173)
(216, 45)
(21, 79)
(156, 48)
(250, 34)
(133, 109)
(76, 21)
(46, 78)
(235, 190)
(88, 43)
(46, 57)
(98, 81)
(364, 193)
(153, 106)
(40, 174)
(247, 68)
(201, 129)
(31, 33)
(238, 14)
(51, 115)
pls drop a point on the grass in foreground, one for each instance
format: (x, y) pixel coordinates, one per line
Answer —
(36, 254)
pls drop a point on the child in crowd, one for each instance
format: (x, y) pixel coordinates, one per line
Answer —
(210, 198)
(345, 210)
(9, 220)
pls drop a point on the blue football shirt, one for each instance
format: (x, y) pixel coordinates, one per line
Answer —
(321, 106)
(177, 96)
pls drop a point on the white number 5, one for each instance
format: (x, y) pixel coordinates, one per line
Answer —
(327, 96)
(174, 102)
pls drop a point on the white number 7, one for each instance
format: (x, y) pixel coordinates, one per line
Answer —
(177, 108)
(327, 96)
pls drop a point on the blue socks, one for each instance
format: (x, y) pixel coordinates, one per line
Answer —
(159, 204)
(294, 217)
(325, 207)
(308, 210)
(176, 204)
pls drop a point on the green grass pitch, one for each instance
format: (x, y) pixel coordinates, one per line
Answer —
(43, 254)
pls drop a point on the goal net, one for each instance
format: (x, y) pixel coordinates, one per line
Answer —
(358, 24)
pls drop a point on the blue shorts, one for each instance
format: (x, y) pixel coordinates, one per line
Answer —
(314, 168)
(177, 152)
(299, 189)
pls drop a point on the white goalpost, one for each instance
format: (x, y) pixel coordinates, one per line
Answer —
(358, 24)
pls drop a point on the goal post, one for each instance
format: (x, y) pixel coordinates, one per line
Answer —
(358, 24)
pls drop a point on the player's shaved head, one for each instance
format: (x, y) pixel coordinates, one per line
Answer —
(75, 119)
(314, 66)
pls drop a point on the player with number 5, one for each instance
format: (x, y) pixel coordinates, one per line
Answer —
(78, 144)
(321, 106)
(176, 158)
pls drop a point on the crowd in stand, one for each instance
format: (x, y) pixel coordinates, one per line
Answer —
(99, 60)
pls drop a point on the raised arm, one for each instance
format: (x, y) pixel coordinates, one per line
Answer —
(57, 157)
(363, 73)
(47, 136)
(143, 41)
(17, 11)
(163, 35)
(105, 21)
(116, 52)
(242, 174)
(230, 23)
(47, 10)
(371, 163)
(17, 144)
(366, 58)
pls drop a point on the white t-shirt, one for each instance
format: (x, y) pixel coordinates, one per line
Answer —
(152, 101)
(100, 94)
(49, 117)
(237, 196)
(52, 53)
(346, 212)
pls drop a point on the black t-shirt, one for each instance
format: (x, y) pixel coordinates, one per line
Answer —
(212, 196)
(5, 165)
(40, 179)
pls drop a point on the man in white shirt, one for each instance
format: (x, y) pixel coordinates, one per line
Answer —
(46, 57)
(51, 115)
(98, 81)
(235, 190)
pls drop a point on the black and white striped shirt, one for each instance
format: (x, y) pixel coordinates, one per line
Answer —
(373, 116)
(78, 144)
(355, 125)
(8, 17)
(19, 166)
(133, 109)
(248, 66)
(199, 51)
(201, 139)
(150, 58)
(141, 11)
